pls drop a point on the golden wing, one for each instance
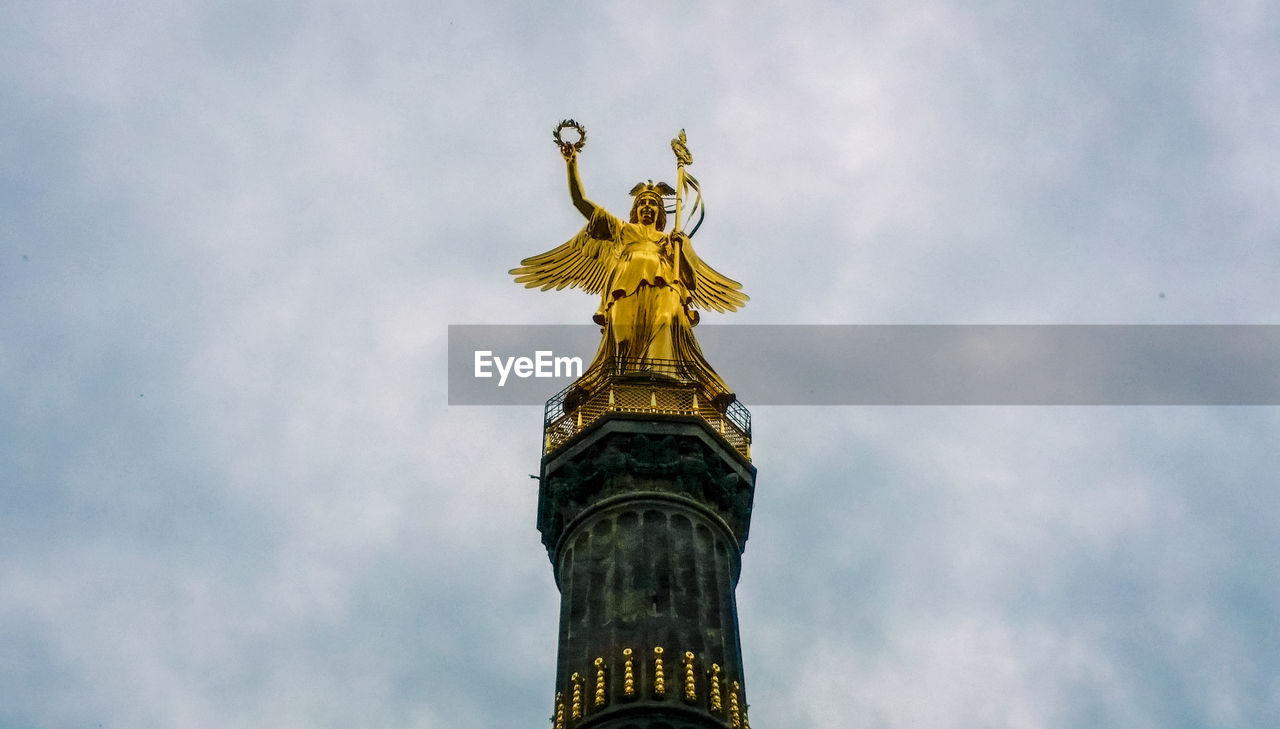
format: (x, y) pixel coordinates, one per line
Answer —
(712, 289)
(582, 262)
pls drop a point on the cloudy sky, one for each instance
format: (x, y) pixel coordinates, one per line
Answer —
(233, 235)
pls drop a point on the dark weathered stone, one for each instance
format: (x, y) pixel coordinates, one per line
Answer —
(645, 519)
(624, 453)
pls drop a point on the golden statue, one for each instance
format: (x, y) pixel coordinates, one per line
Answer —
(651, 283)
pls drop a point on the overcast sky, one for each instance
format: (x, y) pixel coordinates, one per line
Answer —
(232, 236)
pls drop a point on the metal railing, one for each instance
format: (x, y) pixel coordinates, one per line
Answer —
(669, 387)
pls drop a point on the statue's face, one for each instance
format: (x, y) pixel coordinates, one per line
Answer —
(647, 207)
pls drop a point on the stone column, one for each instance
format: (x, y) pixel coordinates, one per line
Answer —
(644, 517)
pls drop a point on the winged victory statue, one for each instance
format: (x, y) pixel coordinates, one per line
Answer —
(650, 281)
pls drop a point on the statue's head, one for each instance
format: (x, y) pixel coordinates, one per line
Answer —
(648, 207)
(650, 210)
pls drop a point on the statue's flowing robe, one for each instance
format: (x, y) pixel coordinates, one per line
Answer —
(648, 289)
(645, 301)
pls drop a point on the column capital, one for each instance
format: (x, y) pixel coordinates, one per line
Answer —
(626, 453)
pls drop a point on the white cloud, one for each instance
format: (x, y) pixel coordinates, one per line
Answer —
(233, 491)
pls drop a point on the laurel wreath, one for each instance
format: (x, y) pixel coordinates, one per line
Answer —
(571, 124)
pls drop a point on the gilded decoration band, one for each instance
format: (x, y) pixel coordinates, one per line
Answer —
(711, 684)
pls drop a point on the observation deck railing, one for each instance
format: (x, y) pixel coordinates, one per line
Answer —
(644, 386)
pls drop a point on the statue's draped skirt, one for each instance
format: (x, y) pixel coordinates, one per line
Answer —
(650, 324)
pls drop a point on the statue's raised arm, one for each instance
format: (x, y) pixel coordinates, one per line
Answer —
(569, 150)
